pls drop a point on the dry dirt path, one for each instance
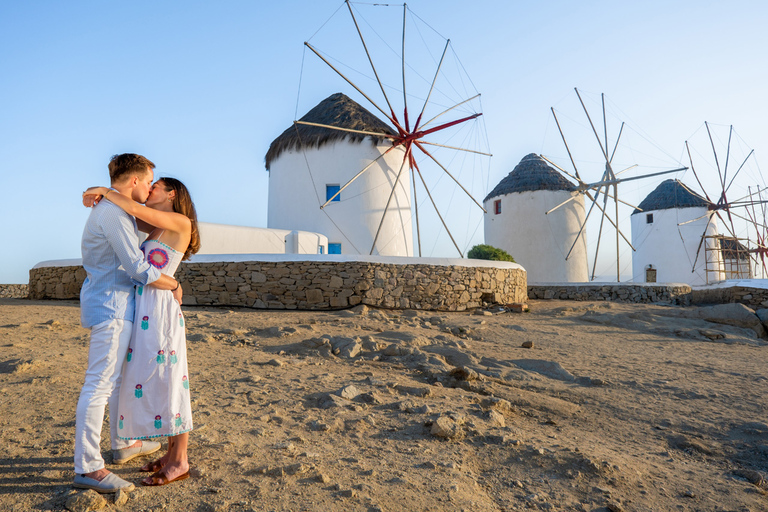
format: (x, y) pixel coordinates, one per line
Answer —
(616, 407)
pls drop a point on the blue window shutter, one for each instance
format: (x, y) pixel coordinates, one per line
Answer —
(334, 248)
(330, 190)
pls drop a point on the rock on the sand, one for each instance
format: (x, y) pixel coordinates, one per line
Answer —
(121, 497)
(735, 314)
(496, 419)
(445, 427)
(330, 400)
(762, 315)
(464, 373)
(550, 369)
(85, 501)
(349, 392)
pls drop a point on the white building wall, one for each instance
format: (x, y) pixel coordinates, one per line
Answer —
(671, 247)
(537, 241)
(737, 269)
(228, 239)
(295, 196)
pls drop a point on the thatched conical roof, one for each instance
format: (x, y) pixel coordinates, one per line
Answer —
(733, 249)
(336, 110)
(532, 173)
(670, 194)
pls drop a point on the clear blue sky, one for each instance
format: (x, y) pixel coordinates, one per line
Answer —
(202, 88)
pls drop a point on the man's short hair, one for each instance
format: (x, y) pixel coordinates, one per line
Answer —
(127, 164)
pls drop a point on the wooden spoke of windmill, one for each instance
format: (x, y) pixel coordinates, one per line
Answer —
(758, 220)
(722, 204)
(410, 137)
(607, 186)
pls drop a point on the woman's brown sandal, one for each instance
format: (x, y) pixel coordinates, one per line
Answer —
(160, 478)
(152, 467)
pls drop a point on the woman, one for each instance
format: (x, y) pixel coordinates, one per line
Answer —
(154, 395)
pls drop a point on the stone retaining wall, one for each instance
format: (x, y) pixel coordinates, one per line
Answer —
(56, 282)
(755, 298)
(320, 284)
(671, 293)
(14, 291)
(340, 284)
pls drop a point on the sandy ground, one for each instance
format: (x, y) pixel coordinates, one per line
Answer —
(615, 407)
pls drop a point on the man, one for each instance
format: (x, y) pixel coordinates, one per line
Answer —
(114, 265)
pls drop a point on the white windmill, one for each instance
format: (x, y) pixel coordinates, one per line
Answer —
(516, 221)
(371, 178)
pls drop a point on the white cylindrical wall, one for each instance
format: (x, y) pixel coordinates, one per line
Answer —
(297, 188)
(537, 241)
(670, 246)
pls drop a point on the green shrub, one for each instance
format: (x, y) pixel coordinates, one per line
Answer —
(488, 252)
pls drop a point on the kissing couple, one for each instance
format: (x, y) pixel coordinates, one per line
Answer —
(130, 301)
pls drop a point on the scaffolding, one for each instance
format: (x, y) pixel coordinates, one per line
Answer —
(726, 257)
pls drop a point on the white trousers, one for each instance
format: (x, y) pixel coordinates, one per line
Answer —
(107, 350)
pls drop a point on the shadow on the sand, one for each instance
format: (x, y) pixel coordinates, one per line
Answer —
(47, 474)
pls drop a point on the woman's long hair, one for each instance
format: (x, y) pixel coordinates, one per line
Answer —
(182, 203)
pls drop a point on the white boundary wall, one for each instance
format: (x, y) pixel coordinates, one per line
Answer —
(537, 241)
(228, 239)
(671, 247)
(334, 258)
(295, 196)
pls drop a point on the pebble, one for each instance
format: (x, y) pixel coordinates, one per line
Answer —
(753, 477)
(414, 390)
(289, 447)
(527, 344)
(499, 404)
(323, 478)
(445, 427)
(85, 501)
(297, 469)
(369, 398)
(331, 400)
(412, 408)
(319, 426)
(464, 373)
(496, 419)
(349, 392)
(121, 497)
